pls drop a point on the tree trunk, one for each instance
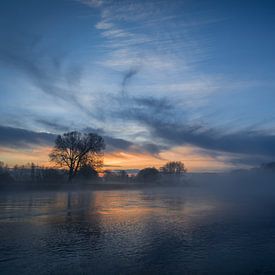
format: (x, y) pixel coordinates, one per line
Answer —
(71, 174)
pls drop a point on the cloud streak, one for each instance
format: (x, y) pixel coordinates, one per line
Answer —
(18, 138)
(174, 132)
(22, 138)
(149, 76)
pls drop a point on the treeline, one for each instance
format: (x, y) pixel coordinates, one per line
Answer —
(31, 173)
(81, 154)
(79, 157)
(171, 171)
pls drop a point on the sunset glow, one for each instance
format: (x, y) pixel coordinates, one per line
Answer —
(137, 137)
(158, 80)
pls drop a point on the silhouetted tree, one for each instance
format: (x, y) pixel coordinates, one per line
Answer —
(73, 150)
(122, 175)
(108, 175)
(17, 172)
(5, 176)
(150, 174)
(33, 172)
(3, 167)
(173, 168)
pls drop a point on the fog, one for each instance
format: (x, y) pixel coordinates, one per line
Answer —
(202, 224)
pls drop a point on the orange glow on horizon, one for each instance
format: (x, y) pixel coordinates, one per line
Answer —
(37, 155)
(193, 159)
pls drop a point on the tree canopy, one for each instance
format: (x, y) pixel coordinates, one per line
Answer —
(173, 168)
(149, 174)
(74, 150)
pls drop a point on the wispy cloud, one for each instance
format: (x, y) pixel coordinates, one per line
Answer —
(21, 138)
(162, 43)
(46, 71)
(144, 76)
(175, 132)
(92, 3)
(18, 138)
(104, 25)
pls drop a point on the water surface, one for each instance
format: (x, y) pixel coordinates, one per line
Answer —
(178, 230)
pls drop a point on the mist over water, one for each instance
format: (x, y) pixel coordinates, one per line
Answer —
(211, 224)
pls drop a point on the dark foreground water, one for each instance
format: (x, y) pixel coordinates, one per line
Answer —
(189, 230)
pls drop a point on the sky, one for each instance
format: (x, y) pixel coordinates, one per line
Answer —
(191, 81)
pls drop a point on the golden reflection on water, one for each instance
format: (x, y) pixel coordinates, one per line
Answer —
(153, 230)
(106, 207)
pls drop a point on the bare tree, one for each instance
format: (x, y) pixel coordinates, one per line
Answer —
(173, 168)
(74, 150)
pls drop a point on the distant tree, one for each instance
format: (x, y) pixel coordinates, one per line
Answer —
(33, 172)
(74, 150)
(108, 175)
(3, 167)
(22, 172)
(149, 174)
(5, 176)
(122, 175)
(173, 168)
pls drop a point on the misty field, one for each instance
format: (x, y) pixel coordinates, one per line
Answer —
(213, 224)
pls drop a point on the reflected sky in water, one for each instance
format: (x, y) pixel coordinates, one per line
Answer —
(156, 231)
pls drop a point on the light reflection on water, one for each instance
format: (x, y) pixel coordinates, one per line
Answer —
(151, 231)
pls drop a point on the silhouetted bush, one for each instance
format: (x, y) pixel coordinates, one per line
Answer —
(51, 175)
(5, 176)
(87, 172)
(120, 176)
(150, 174)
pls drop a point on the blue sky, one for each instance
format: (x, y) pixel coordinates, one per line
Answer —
(189, 80)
